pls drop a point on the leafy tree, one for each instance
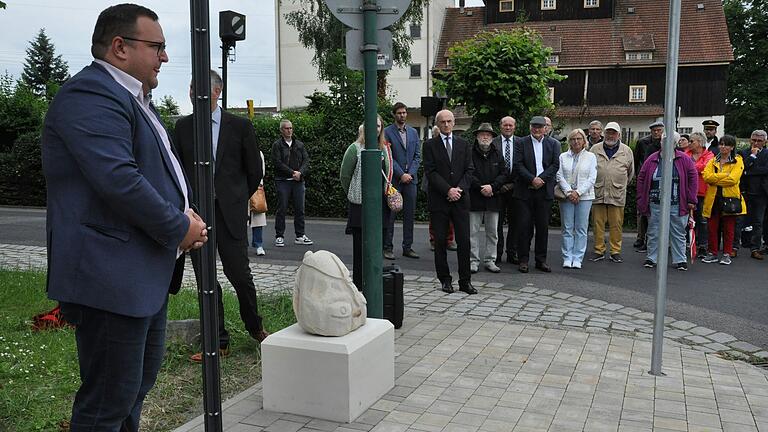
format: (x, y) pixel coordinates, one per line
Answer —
(499, 73)
(319, 30)
(44, 71)
(168, 108)
(21, 111)
(2, 5)
(747, 97)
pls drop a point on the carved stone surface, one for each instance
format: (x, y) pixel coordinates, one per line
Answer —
(325, 300)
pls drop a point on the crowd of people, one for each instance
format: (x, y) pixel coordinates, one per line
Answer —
(495, 195)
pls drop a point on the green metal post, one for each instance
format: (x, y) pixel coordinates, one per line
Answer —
(372, 179)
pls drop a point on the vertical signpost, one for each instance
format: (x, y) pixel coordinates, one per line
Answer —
(370, 16)
(203, 198)
(668, 154)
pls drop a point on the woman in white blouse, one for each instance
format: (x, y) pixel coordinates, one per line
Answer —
(576, 180)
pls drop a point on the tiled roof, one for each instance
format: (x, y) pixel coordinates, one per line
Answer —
(601, 42)
(593, 111)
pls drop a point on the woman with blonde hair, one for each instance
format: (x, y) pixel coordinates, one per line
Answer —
(351, 182)
(576, 180)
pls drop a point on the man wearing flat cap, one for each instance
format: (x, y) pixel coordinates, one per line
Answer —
(710, 130)
(536, 161)
(486, 182)
(645, 147)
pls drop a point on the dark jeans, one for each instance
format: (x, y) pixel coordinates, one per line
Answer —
(233, 254)
(357, 257)
(534, 215)
(441, 219)
(642, 227)
(756, 205)
(408, 191)
(701, 224)
(509, 214)
(119, 358)
(289, 191)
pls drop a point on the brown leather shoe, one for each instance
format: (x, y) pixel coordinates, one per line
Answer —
(523, 268)
(261, 335)
(543, 267)
(756, 255)
(198, 357)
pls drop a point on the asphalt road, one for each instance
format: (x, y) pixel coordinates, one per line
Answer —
(732, 299)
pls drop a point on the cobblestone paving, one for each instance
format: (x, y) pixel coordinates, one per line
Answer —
(495, 302)
(459, 374)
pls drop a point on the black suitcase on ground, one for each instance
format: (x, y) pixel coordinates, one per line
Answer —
(393, 295)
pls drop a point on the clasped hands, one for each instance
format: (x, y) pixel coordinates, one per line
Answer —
(454, 194)
(197, 233)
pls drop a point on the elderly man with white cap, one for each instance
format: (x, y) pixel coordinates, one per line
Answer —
(615, 169)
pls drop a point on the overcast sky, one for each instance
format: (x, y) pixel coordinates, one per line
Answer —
(69, 25)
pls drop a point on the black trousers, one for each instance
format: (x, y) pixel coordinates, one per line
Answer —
(119, 359)
(233, 254)
(534, 216)
(440, 221)
(509, 214)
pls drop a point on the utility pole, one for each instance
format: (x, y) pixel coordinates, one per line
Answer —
(371, 160)
(668, 155)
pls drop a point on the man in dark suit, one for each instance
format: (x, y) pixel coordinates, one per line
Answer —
(448, 167)
(118, 218)
(505, 143)
(237, 173)
(537, 159)
(406, 159)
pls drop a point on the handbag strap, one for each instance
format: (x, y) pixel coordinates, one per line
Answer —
(388, 176)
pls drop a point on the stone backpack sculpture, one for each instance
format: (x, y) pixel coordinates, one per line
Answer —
(325, 300)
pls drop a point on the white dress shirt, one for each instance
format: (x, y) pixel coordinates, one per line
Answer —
(538, 153)
(215, 128)
(134, 87)
(511, 140)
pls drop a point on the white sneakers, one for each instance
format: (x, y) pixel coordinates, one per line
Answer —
(260, 251)
(279, 241)
(303, 240)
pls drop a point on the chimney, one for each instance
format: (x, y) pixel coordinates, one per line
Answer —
(461, 6)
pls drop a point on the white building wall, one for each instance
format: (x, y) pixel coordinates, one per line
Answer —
(297, 77)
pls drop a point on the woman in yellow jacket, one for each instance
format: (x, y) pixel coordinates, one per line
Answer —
(722, 174)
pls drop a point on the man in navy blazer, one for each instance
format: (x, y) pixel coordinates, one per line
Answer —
(448, 167)
(406, 158)
(118, 218)
(536, 161)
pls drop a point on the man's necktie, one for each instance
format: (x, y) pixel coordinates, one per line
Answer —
(507, 155)
(448, 147)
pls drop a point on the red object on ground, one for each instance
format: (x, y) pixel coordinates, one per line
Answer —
(50, 320)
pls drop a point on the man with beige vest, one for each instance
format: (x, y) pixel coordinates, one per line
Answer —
(615, 169)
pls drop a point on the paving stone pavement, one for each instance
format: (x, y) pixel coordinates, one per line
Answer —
(495, 302)
(525, 359)
(460, 373)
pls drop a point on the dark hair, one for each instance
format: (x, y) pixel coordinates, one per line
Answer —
(397, 106)
(117, 20)
(728, 140)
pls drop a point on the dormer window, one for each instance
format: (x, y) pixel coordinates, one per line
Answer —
(553, 60)
(591, 3)
(548, 4)
(639, 56)
(506, 5)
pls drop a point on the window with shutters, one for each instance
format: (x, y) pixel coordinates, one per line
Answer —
(548, 4)
(591, 3)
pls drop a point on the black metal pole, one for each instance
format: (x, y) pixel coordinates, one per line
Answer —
(225, 47)
(203, 198)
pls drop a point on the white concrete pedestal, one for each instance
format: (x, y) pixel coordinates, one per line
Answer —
(330, 378)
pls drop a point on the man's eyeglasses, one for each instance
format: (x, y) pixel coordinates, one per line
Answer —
(159, 45)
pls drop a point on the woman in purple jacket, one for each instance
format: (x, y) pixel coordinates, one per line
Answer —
(684, 187)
